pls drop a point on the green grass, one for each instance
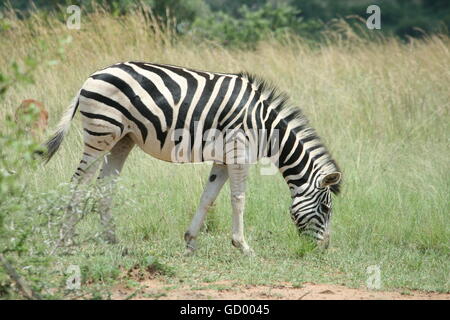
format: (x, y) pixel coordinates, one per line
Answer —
(382, 108)
(372, 226)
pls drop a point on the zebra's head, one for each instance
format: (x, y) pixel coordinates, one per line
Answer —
(311, 208)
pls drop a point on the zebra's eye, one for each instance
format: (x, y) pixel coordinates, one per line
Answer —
(325, 208)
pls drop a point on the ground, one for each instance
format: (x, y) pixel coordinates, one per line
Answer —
(227, 290)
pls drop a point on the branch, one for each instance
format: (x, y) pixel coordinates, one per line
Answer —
(21, 285)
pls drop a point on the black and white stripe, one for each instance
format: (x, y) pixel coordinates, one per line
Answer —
(148, 102)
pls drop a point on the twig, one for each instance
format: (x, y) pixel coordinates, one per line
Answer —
(21, 285)
(133, 294)
(304, 295)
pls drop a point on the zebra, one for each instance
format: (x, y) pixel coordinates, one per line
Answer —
(144, 104)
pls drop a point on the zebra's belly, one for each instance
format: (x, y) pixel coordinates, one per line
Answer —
(181, 149)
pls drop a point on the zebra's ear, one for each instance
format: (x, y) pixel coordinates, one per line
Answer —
(330, 179)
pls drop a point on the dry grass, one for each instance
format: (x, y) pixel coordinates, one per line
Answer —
(382, 107)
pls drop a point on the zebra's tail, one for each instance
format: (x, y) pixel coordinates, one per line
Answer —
(52, 145)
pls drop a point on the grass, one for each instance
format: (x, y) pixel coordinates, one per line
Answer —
(382, 107)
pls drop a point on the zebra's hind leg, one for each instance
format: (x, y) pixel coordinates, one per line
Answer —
(112, 166)
(238, 175)
(83, 174)
(216, 180)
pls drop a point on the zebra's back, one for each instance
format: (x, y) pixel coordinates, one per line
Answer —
(166, 107)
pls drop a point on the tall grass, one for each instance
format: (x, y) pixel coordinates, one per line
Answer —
(382, 107)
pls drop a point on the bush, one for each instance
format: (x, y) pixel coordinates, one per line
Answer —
(252, 26)
(21, 216)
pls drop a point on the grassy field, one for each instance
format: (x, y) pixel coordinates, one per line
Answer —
(382, 108)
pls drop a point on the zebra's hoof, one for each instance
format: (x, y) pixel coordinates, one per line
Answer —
(243, 247)
(189, 252)
(190, 244)
(67, 242)
(188, 237)
(110, 239)
(248, 252)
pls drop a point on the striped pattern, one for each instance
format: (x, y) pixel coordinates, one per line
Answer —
(150, 102)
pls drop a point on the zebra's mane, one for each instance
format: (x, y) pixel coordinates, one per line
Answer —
(295, 118)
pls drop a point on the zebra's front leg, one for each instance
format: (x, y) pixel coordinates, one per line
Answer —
(216, 180)
(238, 175)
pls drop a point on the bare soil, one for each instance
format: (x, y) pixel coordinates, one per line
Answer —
(227, 290)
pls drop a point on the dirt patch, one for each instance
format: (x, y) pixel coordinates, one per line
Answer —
(227, 290)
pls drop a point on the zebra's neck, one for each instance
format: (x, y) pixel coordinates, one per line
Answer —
(302, 158)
